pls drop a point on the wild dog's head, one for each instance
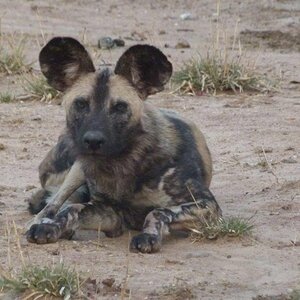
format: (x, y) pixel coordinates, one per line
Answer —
(104, 108)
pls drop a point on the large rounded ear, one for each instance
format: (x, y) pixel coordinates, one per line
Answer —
(146, 68)
(63, 60)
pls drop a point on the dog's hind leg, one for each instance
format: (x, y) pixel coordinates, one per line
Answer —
(52, 172)
(38, 200)
(42, 197)
(73, 216)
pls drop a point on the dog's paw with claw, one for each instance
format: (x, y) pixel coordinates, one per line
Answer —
(43, 233)
(145, 243)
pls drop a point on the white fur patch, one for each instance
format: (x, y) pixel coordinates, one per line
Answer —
(46, 221)
(168, 173)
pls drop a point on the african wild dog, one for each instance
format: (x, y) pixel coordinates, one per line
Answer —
(120, 163)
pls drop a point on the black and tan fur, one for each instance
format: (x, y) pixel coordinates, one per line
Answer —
(120, 163)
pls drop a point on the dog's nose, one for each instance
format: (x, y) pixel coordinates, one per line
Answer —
(93, 139)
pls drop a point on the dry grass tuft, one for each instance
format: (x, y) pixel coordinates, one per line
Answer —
(38, 88)
(57, 281)
(216, 73)
(231, 227)
(295, 295)
(6, 97)
(12, 57)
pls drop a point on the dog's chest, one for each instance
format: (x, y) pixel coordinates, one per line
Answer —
(114, 189)
(151, 197)
(129, 189)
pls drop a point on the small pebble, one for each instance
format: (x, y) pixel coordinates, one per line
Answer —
(106, 43)
(186, 16)
(119, 42)
(37, 118)
(2, 147)
(108, 282)
(182, 44)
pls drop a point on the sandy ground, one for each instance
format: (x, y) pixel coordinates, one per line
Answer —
(237, 127)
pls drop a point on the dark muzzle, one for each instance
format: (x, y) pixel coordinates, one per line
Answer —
(93, 140)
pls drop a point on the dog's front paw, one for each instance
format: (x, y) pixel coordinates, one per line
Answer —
(30, 223)
(43, 233)
(145, 243)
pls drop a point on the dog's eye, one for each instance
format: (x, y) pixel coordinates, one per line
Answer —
(81, 104)
(120, 107)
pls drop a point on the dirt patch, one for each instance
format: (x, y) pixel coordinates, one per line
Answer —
(274, 39)
(235, 127)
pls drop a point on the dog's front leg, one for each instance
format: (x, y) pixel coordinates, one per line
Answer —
(85, 216)
(63, 225)
(158, 221)
(156, 224)
(74, 179)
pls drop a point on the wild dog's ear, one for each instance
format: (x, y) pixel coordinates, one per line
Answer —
(63, 60)
(146, 68)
